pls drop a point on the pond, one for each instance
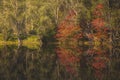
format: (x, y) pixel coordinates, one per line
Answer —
(53, 62)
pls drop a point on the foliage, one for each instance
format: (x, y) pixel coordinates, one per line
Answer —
(68, 29)
(65, 19)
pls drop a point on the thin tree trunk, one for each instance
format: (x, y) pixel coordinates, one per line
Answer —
(19, 42)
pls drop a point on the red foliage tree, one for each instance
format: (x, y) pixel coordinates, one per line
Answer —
(98, 24)
(67, 28)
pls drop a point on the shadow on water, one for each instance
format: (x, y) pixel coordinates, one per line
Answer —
(54, 62)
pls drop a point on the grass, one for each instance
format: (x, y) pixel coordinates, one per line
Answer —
(31, 41)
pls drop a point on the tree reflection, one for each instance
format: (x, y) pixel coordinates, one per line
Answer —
(86, 63)
(99, 61)
(63, 62)
(69, 58)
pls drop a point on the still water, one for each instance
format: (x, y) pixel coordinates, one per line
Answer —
(54, 62)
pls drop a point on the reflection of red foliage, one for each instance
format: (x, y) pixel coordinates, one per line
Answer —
(98, 74)
(99, 61)
(68, 59)
(90, 51)
(70, 70)
(99, 65)
(94, 51)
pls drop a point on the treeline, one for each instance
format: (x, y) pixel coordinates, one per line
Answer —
(96, 21)
(87, 19)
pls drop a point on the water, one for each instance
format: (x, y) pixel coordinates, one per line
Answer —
(59, 63)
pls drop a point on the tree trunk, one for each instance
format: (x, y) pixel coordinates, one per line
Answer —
(19, 42)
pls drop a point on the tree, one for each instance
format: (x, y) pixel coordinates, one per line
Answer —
(13, 18)
(6, 30)
(68, 29)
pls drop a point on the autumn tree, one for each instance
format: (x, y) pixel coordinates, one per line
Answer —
(68, 29)
(98, 25)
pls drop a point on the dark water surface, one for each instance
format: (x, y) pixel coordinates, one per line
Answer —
(59, 63)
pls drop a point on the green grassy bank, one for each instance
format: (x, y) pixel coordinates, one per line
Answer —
(30, 40)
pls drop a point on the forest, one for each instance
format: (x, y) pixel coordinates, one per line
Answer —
(59, 39)
(44, 21)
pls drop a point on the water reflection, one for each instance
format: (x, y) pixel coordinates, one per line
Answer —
(59, 63)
